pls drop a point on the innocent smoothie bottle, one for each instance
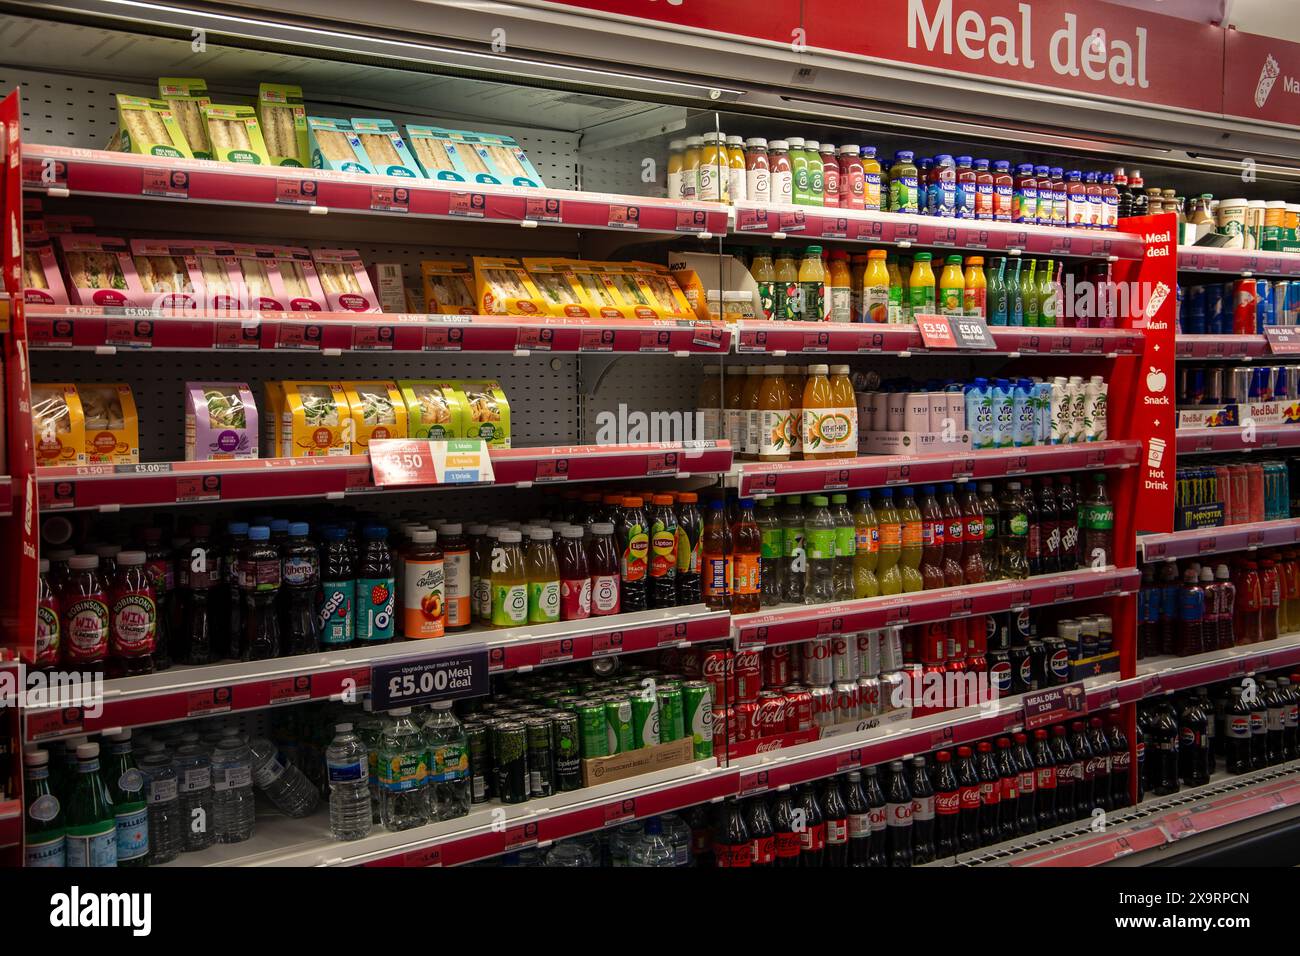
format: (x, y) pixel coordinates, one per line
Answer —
(799, 171)
(812, 287)
(691, 167)
(909, 555)
(891, 542)
(543, 577)
(975, 296)
(846, 410)
(715, 170)
(852, 178)
(509, 581)
(871, 180)
(786, 303)
(763, 273)
(816, 174)
(920, 285)
(840, 284)
(774, 414)
(1029, 294)
(818, 404)
(866, 556)
(758, 171)
(831, 182)
(952, 287)
(575, 575)
(736, 171)
(780, 172)
(877, 298)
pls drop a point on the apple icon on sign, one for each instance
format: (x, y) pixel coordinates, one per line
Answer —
(1156, 380)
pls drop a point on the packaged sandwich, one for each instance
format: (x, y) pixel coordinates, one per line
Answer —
(257, 272)
(502, 287)
(99, 271)
(436, 410)
(220, 421)
(386, 280)
(298, 276)
(316, 420)
(634, 289)
(185, 97)
(42, 282)
(58, 426)
(333, 145)
(385, 148)
(378, 411)
(437, 154)
(448, 288)
(112, 427)
(508, 159)
(488, 415)
(235, 135)
(149, 128)
(212, 266)
(343, 277)
(600, 289)
(284, 124)
(680, 289)
(163, 268)
(560, 288)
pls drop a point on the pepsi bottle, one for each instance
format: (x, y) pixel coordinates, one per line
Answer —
(1026, 821)
(947, 805)
(923, 813)
(1008, 798)
(968, 797)
(1065, 783)
(1044, 782)
(1193, 763)
(1254, 696)
(898, 803)
(1290, 719)
(1275, 716)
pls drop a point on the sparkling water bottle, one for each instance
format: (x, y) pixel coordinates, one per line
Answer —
(194, 783)
(819, 540)
(653, 849)
(232, 790)
(402, 752)
(569, 853)
(164, 804)
(281, 781)
(349, 780)
(449, 778)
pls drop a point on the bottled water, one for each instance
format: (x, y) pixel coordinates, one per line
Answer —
(569, 853)
(370, 728)
(819, 540)
(679, 834)
(232, 790)
(449, 781)
(620, 843)
(653, 848)
(281, 781)
(402, 755)
(164, 804)
(349, 780)
(194, 782)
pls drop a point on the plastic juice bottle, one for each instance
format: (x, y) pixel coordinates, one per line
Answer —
(845, 546)
(774, 415)
(895, 307)
(794, 386)
(1029, 294)
(831, 182)
(799, 172)
(717, 557)
(1003, 191)
(920, 285)
(983, 190)
(715, 170)
(878, 294)
(966, 187)
(1076, 199)
(747, 553)
(846, 408)
(676, 151)
(134, 616)
(952, 287)
(771, 583)
(1015, 297)
(375, 587)
(691, 167)
(690, 529)
(543, 577)
(1025, 198)
(866, 555)
(975, 296)
(1013, 533)
(872, 192)
(509, 581)
(1092, 187)
(663, 552)
(933, 529)
(736, 164)
(1049, 302)
(819, 584)
(424, 588)
(890, 528)
(813, 301)
(794, 554)
(943, 187)
(857, 280)
(750, 416)
(86, 615)
(972, 557)
(840, 286)
(988, 507)
(787, 303)
(606, 590)
(632, 537)
(909, 555)
(48, 623)
(954, 537)
(735, 422)
(820, 433)
(1043, 214)
(904, 191)
(1059, 217)
(781, 172)
(481, 573)
(816, 174)
(708, 403)
(763, 273)
(853, 179)
(998, 294)
(924, 167)
(758, 171)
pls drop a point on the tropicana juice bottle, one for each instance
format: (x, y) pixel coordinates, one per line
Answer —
(813, 301)
(786, 303)
(866, 557)
(952, 287)
(877, 291)
(774, 415)
(909, 555)
(920, 286)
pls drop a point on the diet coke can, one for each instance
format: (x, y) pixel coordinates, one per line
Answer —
(891, 649)
(747, 722)
(798, 708)
(844, 657)
(719, 669)
(868, 653)
(771, 713)
(748, 669)
(869, 704)
(815, 667)
(777, 671)
(847, 705)
(823, 706)
(893, 691)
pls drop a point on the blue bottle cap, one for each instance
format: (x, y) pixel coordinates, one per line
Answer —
(1056, 171)
(1025, 383)
(747, 503)
(1002, 383)
(259, 532)
(334, 533)
(1002, 165)
(868, 152)
(886, 493)
(299, 529)
(927, 489)
(981, 382)
(280, 524)
(948, 487)
(963, 160)
(374, 532)
(981, 164)
(1025, 169)
(1041, 170)
(904, 155)
(237, 527)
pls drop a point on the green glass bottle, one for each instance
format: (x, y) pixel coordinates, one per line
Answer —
(130, 810)
(1015, 300)
(1049, 303)
(91, 827)
(43, 814)
(999, 302)
(1029, 294)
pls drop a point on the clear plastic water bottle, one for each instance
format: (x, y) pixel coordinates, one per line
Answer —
(282, 782)
(569, 853)
(679, 834)
(349, 781)
(449, 780)
(370, 727)
(653, 848)
(620, 843)
(402, 750)
(164, 804)
(819, 540)
(232, 790)
(194, 783)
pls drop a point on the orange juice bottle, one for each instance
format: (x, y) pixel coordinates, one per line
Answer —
(715, 170)
(819, 415)
(952, 287)
(812, 297)
(749, 410)
(794, 383)
(764, 274)
(876, 283)
(691, 168)
(920, 286)
(734, 421)
(773, 413)
(840, 287)
(975, 299)
(857, 275)
(709, 405)
(846, 410)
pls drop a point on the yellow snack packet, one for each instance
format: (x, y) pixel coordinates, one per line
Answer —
(488, 414)
(58, 425)
(112, 425)
(502, 287)
(556, 280)
(378, 411)
(448, 288)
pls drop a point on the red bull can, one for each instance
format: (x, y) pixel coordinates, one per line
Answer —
(1265, 305)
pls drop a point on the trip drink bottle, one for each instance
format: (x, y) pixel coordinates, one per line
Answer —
(1044, 781)
(159, 562)
(762, 838)
(837, 824)
(1193, 761)
(1083, 770)
(301, 576)
(338, 591)
(1065, 782)
(879, 817)
(1067, 509)
(783, 825)
(947, 806)
(1100, 773)
(923, 813)
(731, 840)
(1275, 720)
(717, 549)
(1237, 739)
(663, 553)
(1009, 795)
(134, 617)
(986, 769)
(259, 585)
(812, 839)
(1164, 737)
(1026, 820)
(954, 537)
(86, 617)
(968, 800)
(690, 528)
(898, 802)
(1121, 763)
(859, 821)
(747, 550)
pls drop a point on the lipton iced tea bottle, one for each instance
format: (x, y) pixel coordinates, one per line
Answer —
(747, 552)
(840, 287)
(818, 404)
(717, 557)
(812, 300)
(933, 530)
(891, 542)
(920, 286)
(736, 161)
(909, 555)
(663, 552)
(975, 295)
(794, 386)
(632, 536)
(866, 555)
(799, 172)
(952, 287)
(715, 170)
(781, 171)
(606, 591)
(575, 575)
(787, 303)
(424, 590)
(509, 581)
(876, 292)
(774, 414)
(764, 274)
(846, 408)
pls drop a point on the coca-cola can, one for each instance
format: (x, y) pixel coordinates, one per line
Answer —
(868, 653)
(670, 659)
(748, 670)
(847, 706)
(777, 669)
(724, 726)
(718, 668)
(844, 657)
(869, 703)
(798, 708)
(772, 707)
(893, 691)
(815, 662)
(891, 649)
(747, 723)
(823, 706)
(689, 661)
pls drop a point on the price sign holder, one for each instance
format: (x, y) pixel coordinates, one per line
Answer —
(462, 673)
(1282, 339)
(407, 461)
(1054, 704)
(954, 332)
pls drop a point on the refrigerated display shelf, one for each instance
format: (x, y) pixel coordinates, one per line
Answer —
(879, 471)
(1238, 262)
(803, 622)
(11, 824)
(154, 484)
(1230, 347)
(107, 330)
(1169, 674)
(800, 338)
(61, 171)
(1199, 441)
(184, 692)
(6, 496)
(1220, 540)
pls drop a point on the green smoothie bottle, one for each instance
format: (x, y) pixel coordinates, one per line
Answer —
(1015, 299)
(800, 174)
(999, 305)
(891, 538)
(866, 556)
(909, 555)
(91, 827)
(1029, 294)
(1049, 306)
(920, 286)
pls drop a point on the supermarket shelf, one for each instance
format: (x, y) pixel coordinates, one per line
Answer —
(109, 487)
(11, 824)
(1237, 537)
(1238, 262)
(6, 496)
(1167, 674)
(874, 471)
(1231, 347)
(94, 172)
(786, 338)
(859, 225)
(111, 329)
(1198, 441)
(184, 692)
(805, 622)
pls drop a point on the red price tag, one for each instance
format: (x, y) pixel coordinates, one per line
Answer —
(816, 341)
(45, 173)
(848, 760)
(129, 333)
(596, 340)
(619, 812)
(532, 338)
(54, 723)
(57, 495)
(905, 231)
(871, 342)
(603, 645)
(707, 335)
(400, 462)
(1210, 263)
(291, 690)
(945, 236)
(429, 856)
(168, 183)
(962, 607)
(519, 837)
(624, 217)
(443, 339)
(191, 488)
(871, 231)
(692, 220)
(835, 480)
(553, 652)
(671, 634)
(1063, 345)
(753, 782)
(936, 332)
(661, 464)
(1062, 245)
(898, 474)
(655, 340)
(45, 333)
(1207, 545)
(1063, 593)
(977, 238)
(897, 614)
(796, 221)
(1017, 466)
(202, 702)
(390, 199)
(372, 338)
(468, 205)
(551, 469)
(963, 468)
(296, 192)
(942, 737)
(298, 337)
(751, 220)
(237, 335)
(544, 210)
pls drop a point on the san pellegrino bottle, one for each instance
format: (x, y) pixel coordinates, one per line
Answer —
(126, 785)
(91, 826)
(43, 838)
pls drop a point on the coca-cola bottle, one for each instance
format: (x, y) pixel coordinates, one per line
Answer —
(923, 812)
(859, 820)
(762, 838)
(731, 841)
(898, 804)
(968, 798)
(1082, 770)
(1008, 798)
(947, 806)
(1026, 821)
(1100, 772)
(879, 817)
(1141, 744)
(1067, 510)
(1237, 739)
(812, 838)
(1164, 738)
(1065, 782)
(837, 824)
(1193, 765)
(785, 831)
(698, 819)
(986, 769)
(1121, 763)
(1044, 782)
(1049, 526)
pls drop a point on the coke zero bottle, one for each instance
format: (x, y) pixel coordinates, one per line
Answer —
(1100, 773)
(1008, 797)
(1026, 821)
(837, 824)
(923, 812)
(1044, 782)
(783, 826)
(947, 805)
(731, 842)
(968, 798)
(879, 817)
(812, 839)
(762, 838)
(697, 818)
(1164, 759)
(859, 820)
(898, 802)
(986, 769)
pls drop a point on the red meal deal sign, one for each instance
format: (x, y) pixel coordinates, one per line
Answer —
(1261, 78)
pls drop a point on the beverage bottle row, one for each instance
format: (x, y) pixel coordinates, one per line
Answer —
(1230, 493)
(779, 413)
